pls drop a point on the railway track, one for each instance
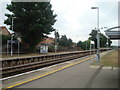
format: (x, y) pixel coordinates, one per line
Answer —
(12, 67)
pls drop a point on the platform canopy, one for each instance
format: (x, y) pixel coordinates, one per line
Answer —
(113, 33)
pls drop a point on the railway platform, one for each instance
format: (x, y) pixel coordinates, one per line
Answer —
(77, 73)
(15, 56)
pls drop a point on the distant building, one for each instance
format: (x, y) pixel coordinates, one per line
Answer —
(4, 31)
(47, 41)
(44, 44)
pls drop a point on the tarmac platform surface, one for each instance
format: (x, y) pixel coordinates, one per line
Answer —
(81, 75)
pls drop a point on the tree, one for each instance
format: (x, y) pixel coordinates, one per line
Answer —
(69, 42)
(84, 45)
(103, 39)
(93, 37)
(109, 42)
(81, 45)
(34, 21)
(63, 41)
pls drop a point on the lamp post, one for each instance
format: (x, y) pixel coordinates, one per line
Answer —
(19, 40)
(107, 40)
(90, 48)
(55, 40)
(12, 37)
(76, 41)
(98, 34)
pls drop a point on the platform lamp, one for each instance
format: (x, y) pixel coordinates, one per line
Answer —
(12, 37)
(107, 40)
(98, 34)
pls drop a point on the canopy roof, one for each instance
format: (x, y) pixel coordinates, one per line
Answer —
(113, 33)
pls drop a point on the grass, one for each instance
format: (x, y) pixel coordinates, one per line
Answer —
(109, 60)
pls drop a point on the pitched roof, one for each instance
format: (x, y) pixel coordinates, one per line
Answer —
(4, 31)
(48, 40)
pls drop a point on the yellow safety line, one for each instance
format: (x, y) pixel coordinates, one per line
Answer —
(64, 67)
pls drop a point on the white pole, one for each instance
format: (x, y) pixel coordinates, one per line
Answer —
(107, 44)
(98, 35)
(11, 39)
(98, 38)
(94, 48)
(11, 45)
(55, 42)
(90, 48)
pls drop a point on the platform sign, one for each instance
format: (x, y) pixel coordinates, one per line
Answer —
(43, 49)
(13, 41)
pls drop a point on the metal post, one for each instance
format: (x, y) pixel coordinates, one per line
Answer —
(94, 48)
(12, 36)
(98, 38)
(76, 41)
(11, 45)
(55, 41)
(107, 44)
(107, 40)
(98, 47)
(90, 49)
(98, 35)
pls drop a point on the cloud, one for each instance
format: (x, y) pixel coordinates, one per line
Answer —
(75, 17)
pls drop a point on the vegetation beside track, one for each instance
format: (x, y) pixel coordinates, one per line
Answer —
(109, 60)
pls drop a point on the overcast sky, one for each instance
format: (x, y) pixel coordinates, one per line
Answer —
(76, 19)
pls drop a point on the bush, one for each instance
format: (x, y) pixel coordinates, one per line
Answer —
(51, 48)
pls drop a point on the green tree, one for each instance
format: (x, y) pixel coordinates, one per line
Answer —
(103, 39)
(34, 21)
(69, 42)
(63, 41)
(93, 37)
(84, 45)
(109, 42)
(81, 45)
